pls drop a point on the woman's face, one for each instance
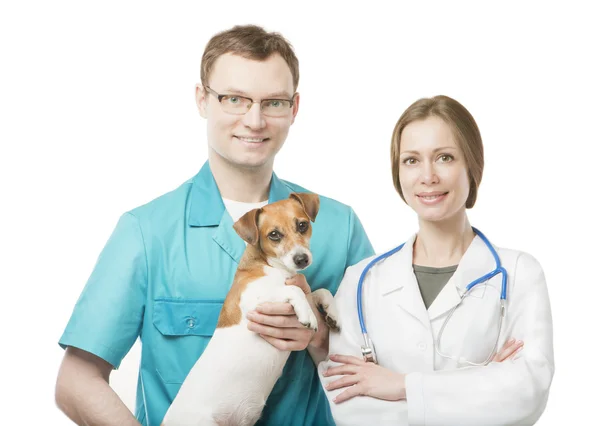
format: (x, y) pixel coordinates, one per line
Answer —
(433, 172)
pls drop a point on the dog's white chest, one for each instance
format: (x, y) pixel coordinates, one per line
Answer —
(264, 289)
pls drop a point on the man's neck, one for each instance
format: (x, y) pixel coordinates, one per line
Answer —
(249, 185)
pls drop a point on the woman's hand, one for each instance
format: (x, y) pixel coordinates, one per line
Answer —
(365, 378)
(508, 351)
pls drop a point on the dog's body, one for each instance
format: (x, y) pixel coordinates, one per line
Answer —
(230, 383)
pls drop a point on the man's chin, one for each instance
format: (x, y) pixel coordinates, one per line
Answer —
(254, 163)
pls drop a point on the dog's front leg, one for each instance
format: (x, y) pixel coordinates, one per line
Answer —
(324, 300)
(296, 297)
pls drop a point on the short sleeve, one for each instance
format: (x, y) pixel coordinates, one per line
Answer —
(359, 246)
(107, 317)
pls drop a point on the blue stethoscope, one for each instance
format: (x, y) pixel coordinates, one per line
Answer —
(368, 350)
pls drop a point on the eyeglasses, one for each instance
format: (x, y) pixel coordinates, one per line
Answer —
(240, 105)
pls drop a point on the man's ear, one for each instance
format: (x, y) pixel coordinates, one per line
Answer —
(201, 99)
(309, 202)
(247, 226)
(296, 106)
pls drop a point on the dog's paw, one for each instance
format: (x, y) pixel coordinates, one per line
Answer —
(332, 323)
(326, 304)
(309, 320)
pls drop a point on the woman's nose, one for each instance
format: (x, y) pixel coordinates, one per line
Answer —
(428, 174)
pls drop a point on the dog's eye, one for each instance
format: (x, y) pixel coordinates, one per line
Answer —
(302, 227)
(275, 236)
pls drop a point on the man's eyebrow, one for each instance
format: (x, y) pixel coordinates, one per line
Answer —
(236, 91)
(279, 94)
(283, 95)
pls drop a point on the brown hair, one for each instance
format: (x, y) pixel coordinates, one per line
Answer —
(251, 42)
(465, 131)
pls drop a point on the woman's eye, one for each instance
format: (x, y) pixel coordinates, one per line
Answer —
(446, 158)
(275, 236)
(410, 161)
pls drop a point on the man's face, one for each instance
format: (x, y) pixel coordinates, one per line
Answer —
(250, 140)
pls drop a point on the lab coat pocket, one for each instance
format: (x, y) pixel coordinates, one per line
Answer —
(482, 307)
(471, 331)
(185, 327)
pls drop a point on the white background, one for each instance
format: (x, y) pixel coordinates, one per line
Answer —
(97, 116)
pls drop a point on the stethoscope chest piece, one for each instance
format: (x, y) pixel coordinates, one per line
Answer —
(368, 351)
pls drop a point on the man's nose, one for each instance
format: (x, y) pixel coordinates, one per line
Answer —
(254, 118)
(301, 260)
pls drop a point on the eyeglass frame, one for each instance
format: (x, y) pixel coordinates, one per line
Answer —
(220, 96)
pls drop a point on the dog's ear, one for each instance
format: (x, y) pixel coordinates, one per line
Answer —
(247, 226)
(309, 202)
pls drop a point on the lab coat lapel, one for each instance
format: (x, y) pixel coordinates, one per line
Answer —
(476, 262)
(400, 284)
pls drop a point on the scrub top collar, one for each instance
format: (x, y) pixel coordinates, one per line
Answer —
(206, 204)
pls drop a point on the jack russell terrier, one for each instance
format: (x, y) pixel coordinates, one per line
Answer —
(230, 382)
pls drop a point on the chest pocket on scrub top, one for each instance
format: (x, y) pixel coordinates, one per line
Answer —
(185, 326)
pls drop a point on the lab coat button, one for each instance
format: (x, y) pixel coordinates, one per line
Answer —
(422, 346)
(191, 323)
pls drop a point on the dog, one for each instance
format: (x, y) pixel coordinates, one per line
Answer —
(231, 381)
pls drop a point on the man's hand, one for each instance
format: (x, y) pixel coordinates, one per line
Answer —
(277, 323)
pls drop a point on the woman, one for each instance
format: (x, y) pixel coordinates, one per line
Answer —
(408, 297)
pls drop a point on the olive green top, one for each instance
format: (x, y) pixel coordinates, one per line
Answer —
(432, 280)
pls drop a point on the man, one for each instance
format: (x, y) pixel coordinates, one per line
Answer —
(168, 265)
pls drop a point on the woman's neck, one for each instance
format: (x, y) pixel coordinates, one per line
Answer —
(440, 244)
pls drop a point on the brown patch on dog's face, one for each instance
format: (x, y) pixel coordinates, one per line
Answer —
(284, 234)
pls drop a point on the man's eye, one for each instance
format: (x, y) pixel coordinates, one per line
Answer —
(275, 104)
(275, 236)
(302, 227)
(233, 100)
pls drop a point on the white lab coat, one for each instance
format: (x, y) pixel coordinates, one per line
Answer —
(440, 391)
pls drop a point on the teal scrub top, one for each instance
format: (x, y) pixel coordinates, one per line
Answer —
(163, 276)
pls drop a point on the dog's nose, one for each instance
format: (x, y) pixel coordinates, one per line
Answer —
(301, 260)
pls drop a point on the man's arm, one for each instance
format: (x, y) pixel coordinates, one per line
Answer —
(83, 392)
(105, 323)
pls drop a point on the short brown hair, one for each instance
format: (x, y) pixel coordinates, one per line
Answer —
(251, 42)
(465, 131)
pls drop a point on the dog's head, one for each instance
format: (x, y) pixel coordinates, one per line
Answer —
(282, 230)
